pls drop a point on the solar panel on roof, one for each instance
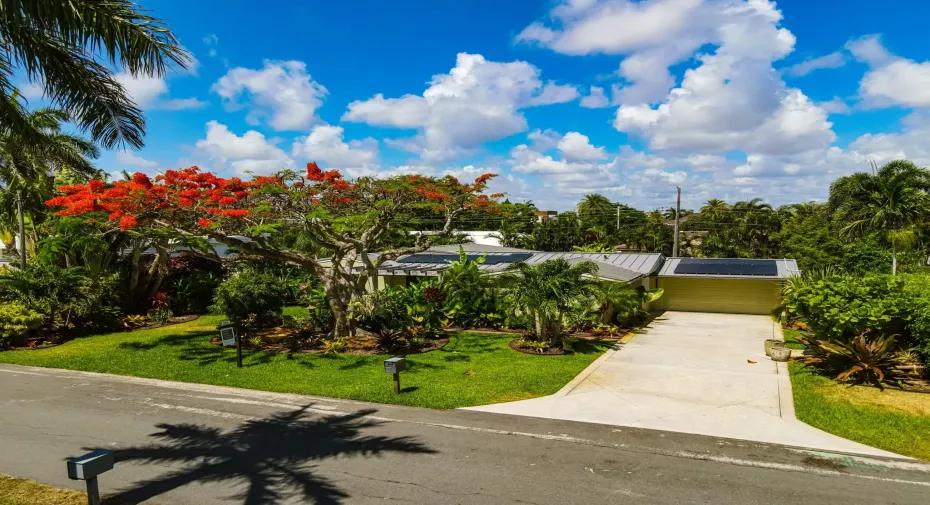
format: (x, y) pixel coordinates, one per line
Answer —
(491, 259)
(762, 268)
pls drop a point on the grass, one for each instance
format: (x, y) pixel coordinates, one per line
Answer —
(892, 420)
(472, 369)
(25, 492)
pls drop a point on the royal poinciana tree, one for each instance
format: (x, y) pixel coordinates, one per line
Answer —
(347, 218)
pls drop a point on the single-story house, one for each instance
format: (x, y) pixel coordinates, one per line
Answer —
(621, 267)
(745, 286)
(740, 286)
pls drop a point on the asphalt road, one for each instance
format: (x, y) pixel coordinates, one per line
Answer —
(192, 444)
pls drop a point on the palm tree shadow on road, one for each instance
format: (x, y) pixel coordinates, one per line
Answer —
(272, 457)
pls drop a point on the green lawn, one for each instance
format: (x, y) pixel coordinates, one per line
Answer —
(473, 369)
(895, 421)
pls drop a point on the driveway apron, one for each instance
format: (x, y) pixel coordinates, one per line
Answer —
(690, 372)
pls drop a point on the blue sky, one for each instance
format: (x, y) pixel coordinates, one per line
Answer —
(733, 99)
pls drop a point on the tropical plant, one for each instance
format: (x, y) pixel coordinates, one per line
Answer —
(335, 345)
(539, 346)
(70, 301)
(715, 210)
(423, 302)
(839, 307)
(16, 321)
(58, 45)
(471, 296)
(549, 290)
(891, 201)
(383, 313)
(862, 359)
(622, 304)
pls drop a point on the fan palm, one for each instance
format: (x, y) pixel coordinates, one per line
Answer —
(549, 290)
(891, 201)
(58, 45)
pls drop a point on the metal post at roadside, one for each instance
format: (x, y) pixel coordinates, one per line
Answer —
(22, 230)
(239, 348)
(87, 468)
(677, 216)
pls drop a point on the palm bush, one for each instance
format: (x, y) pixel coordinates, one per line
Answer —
(622, 304)
(549, 291)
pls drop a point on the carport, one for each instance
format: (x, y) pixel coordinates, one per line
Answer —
(734, 286)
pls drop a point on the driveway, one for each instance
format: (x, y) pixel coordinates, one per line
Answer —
(692, 373)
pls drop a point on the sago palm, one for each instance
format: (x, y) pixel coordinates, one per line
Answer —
(891, 201)
(69, 47)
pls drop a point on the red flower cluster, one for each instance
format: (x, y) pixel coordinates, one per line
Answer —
(175, 191)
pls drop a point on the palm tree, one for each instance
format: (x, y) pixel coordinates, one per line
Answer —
(892, 201)
(58, 45)
(548, 291)
(29, 162)
(715, 209)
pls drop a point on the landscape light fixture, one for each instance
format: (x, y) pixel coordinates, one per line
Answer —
(87, 468)
(395, 366)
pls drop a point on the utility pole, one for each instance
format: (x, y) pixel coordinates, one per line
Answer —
(22, 230)
(677, 217)
(618, 217)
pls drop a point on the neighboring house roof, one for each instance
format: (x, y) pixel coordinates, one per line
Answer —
(784, 268)
(613, 266)
(476, 248)
(491, 238)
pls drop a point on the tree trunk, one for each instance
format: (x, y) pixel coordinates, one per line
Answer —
(894, 261)
(339, 295)
(540, 327)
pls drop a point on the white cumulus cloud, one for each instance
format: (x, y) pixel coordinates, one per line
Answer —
(281, 92)
(476, 102)
(250, 152)
(325, 144)
(129, 158)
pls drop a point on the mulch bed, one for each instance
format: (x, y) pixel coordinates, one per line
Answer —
(174, 320)
(552, 351)
(358, 345)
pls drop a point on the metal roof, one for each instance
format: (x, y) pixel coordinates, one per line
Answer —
(615, 266)
(475, 248)
(786, 268)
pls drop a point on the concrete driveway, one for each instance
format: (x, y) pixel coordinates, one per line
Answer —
(692, 373)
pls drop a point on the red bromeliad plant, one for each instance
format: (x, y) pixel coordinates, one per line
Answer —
(347, 218)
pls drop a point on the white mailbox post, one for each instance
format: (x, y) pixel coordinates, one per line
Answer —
(395, 366)
(87, 468)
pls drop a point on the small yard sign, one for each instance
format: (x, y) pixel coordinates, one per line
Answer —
(227, 333)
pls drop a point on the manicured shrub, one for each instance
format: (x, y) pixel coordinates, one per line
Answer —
(843, 306)
(71, 302)
(16, 321)
(250, 297)
(917, 288)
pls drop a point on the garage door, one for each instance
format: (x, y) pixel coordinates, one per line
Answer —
(735, 296)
